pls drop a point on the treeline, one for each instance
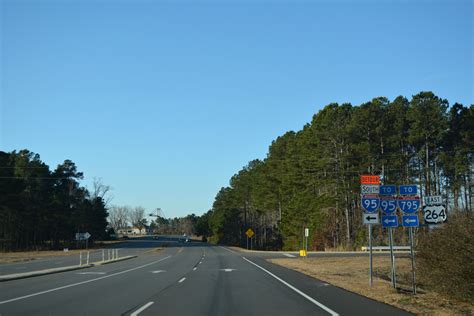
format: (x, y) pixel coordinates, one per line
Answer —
(42, 208)
(310, 178)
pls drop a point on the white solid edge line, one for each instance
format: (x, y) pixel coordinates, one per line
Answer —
(141, 309)
(230, 250)
(79, 283)
(309, 298)
(182, 280)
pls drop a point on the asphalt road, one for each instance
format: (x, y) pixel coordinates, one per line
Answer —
(183, 279)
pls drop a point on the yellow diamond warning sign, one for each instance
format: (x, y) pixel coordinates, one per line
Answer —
(249, 233)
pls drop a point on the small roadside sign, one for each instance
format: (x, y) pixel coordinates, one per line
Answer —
(389, 220)
(388, 205)
(434, 214)
(83, 236)
(369, 179)
(388, 190)
(409, 205)
(410, 221)
(369, 189)
(306, 232)
(249, 233)
(433, 200)
(370, 219)
(370, 204)
(408, 189)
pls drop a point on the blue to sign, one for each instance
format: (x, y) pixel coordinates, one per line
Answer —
(408, 189)
(370, 205)
(388, 190)
(410, 221)
(390, 221)
(388, 206)
(409, 206)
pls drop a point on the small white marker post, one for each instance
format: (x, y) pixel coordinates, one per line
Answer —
(88, 257)
(103, 255)
(80, 258)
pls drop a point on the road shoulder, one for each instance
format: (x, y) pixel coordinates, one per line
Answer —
(351, 274)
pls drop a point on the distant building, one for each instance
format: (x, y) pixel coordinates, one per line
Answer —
(132, 231)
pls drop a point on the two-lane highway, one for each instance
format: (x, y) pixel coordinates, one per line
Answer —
(185, 279)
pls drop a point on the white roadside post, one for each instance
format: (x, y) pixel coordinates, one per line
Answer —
(80, 258)
(88, 257)
(103, 255)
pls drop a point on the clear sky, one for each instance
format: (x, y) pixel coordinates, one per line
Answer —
(166, 100)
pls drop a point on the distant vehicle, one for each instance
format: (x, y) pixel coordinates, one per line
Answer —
(125, 237)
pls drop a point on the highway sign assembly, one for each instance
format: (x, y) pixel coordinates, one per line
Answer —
(389, 220)
(368, 219)
(410, 221)
(434, 214)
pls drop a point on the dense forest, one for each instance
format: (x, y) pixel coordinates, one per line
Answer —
(310, 178)
(42, 208)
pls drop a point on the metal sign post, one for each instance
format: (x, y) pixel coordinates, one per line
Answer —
(306, 234)
(392, 258)
(370, 255)
(388, 204)
(412, 259)
(370, 202)
(249, 234)
(409, 203)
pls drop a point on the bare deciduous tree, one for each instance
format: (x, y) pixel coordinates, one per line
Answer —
(118, 217)
(137, 217)
(101, 190)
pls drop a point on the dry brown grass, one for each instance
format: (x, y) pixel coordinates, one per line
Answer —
(353, 274)
(11, 257)
(20, 256)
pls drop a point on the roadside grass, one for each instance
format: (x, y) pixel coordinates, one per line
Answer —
(353, 274)
(23, 256)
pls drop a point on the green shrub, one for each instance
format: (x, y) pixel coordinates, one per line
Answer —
(445, 257)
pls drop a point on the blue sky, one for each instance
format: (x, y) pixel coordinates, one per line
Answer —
(166, 100)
